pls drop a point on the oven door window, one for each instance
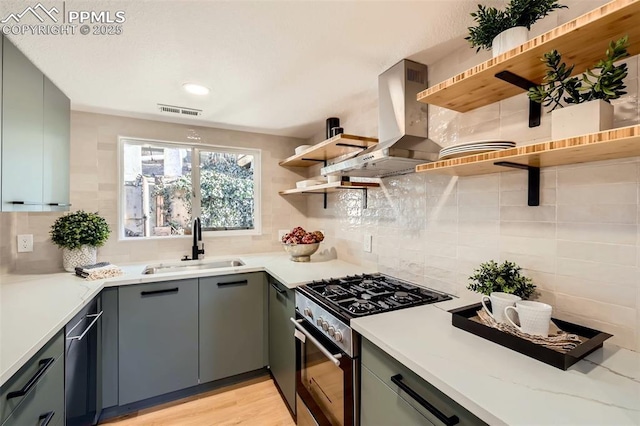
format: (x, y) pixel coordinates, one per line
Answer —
(328, 385)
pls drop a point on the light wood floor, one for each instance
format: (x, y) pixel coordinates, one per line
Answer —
(255, 402)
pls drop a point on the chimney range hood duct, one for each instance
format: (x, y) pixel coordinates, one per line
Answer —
(402, 127)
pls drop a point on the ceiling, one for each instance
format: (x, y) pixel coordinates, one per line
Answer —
(276, 67)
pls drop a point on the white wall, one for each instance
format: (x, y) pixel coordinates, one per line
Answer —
(580, 246)
(94, 187)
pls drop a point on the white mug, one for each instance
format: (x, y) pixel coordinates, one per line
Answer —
(534, 317)
(499, 301)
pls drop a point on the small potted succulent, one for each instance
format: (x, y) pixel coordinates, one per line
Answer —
(301, 244)
(79, 234)
(594, 90)
(506, 278)
(502, 30)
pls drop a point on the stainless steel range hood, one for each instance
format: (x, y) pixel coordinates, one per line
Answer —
(402, 127)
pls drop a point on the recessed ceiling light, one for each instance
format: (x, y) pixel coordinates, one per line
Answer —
(195, 89)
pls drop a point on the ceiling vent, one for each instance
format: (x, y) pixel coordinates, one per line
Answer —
(172, 109)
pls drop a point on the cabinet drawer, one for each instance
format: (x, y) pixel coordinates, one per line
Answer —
(385, 367)
(44, 405)
(382, 406)
(19, 381)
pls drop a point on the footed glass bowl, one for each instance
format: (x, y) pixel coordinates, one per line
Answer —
(301, 252)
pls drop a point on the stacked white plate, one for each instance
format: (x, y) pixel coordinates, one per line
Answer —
(470, 148)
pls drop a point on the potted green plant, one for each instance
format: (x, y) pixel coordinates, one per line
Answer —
(79, 234)
(593, 91)
(502, 30)
(506, 278)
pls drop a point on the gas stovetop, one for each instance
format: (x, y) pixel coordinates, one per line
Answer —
(360, 295)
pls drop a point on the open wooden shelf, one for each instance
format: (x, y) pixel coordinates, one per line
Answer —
(582, 42)
(617, 143)
(337, 146)
(330, 187)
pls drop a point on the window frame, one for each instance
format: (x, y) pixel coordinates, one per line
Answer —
(195, 148)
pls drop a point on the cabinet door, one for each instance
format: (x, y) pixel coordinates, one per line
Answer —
(381, 406)
(44, 402)
(22, 126)
(232, 325)
(56, 128)
(282, 345)
(158, 339)
(109, 347)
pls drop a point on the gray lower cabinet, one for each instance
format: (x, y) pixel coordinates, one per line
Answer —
(157, 339)
(282, 345)
(232, 311)
(109, 392)
(392, 394)
(35, 394)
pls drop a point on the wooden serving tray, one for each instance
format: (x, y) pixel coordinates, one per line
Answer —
(461, 318)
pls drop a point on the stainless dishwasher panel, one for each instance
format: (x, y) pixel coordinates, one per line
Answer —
(82, 375)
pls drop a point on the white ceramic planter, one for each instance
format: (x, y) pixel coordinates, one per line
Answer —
(581, 119)
(85, 255)
(509, 39)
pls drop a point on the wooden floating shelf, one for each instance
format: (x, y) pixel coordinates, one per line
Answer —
(607, 145)
(337, 146)
(330, 187)
(582, 42)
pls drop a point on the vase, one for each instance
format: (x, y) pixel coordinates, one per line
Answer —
(581, 119)
(71, 258)
(509, 39)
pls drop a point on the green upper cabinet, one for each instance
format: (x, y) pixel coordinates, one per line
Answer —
(35, 137)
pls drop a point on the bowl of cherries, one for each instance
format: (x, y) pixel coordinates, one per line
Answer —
(301, 244)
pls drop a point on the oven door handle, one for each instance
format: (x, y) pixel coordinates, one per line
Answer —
(333, 358)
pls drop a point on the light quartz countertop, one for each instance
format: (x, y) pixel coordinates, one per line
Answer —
(33, 308)
(501, 386)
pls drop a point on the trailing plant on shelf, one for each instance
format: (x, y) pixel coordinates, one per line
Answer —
(506, 278)
(79, 228)
(604, 81)
(491, 21)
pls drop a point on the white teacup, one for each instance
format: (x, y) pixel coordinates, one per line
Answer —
(499, 301)
(534, 317)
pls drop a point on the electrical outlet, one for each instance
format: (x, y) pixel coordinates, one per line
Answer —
(25, 243)
(368, 242)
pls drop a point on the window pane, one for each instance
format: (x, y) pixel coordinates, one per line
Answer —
(227, 190)
(157, 185)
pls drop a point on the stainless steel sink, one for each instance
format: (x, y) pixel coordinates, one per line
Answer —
(188, 266)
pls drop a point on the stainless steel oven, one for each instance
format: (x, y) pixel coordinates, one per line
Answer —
(328, 350)
(325, 377)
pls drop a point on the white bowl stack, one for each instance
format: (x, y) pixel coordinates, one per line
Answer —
(471, 148)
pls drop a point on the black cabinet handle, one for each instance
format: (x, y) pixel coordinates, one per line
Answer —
(230, 283)
(153, 292)
(25, 203)
(278, 289)
(59, 204)
(449, 421)
(44, 364)
(45, 419)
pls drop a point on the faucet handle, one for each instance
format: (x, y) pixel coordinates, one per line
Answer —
(201, 251)
(185, 257)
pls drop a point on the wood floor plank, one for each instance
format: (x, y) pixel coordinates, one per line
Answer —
(256, 402)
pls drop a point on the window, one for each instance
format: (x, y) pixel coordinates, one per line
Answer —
(159, 197)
